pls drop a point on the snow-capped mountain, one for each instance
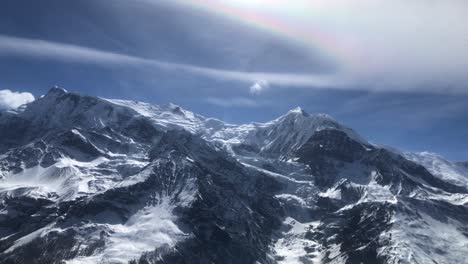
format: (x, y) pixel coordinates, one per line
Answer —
(93, 180)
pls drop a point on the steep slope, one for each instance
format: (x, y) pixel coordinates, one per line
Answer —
(93, 180)
(371, 196)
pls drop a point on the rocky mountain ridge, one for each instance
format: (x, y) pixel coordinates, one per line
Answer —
(94, 180)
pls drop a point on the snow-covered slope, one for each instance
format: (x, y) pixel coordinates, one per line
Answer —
(94, 180)
(437, 165)
(167, 116)
(280, 137)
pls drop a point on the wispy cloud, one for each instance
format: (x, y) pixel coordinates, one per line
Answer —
(11, 100)
(42, 49)
(234, 102)
(379, 45)
(423, 79)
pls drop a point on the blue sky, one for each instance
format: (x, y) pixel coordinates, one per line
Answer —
(407, 86)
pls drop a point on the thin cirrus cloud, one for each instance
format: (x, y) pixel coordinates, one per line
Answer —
(10, 99)
(400, 45)
(413, 79)
(42, 49)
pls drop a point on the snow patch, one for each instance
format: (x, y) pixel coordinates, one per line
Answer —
(441, 167)
(150, 228)
(290, 248)
(423, 239)
(28, 238)
(332, 193)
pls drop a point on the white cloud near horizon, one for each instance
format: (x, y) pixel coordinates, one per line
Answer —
(11, 100)
(258, 87)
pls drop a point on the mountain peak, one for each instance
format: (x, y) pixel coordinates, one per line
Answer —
(176, 109)
(298, 110)
(301, 112)
(56, 90)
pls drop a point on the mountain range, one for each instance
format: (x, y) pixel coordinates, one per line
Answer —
(92, 180)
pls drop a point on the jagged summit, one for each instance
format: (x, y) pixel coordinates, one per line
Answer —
(298, 110)
(286, 132)
(57, 90)
(174, 114)
(295, 112)
(54, 93)
(279, 137)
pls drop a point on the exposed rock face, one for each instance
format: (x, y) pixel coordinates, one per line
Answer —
(92, 180)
